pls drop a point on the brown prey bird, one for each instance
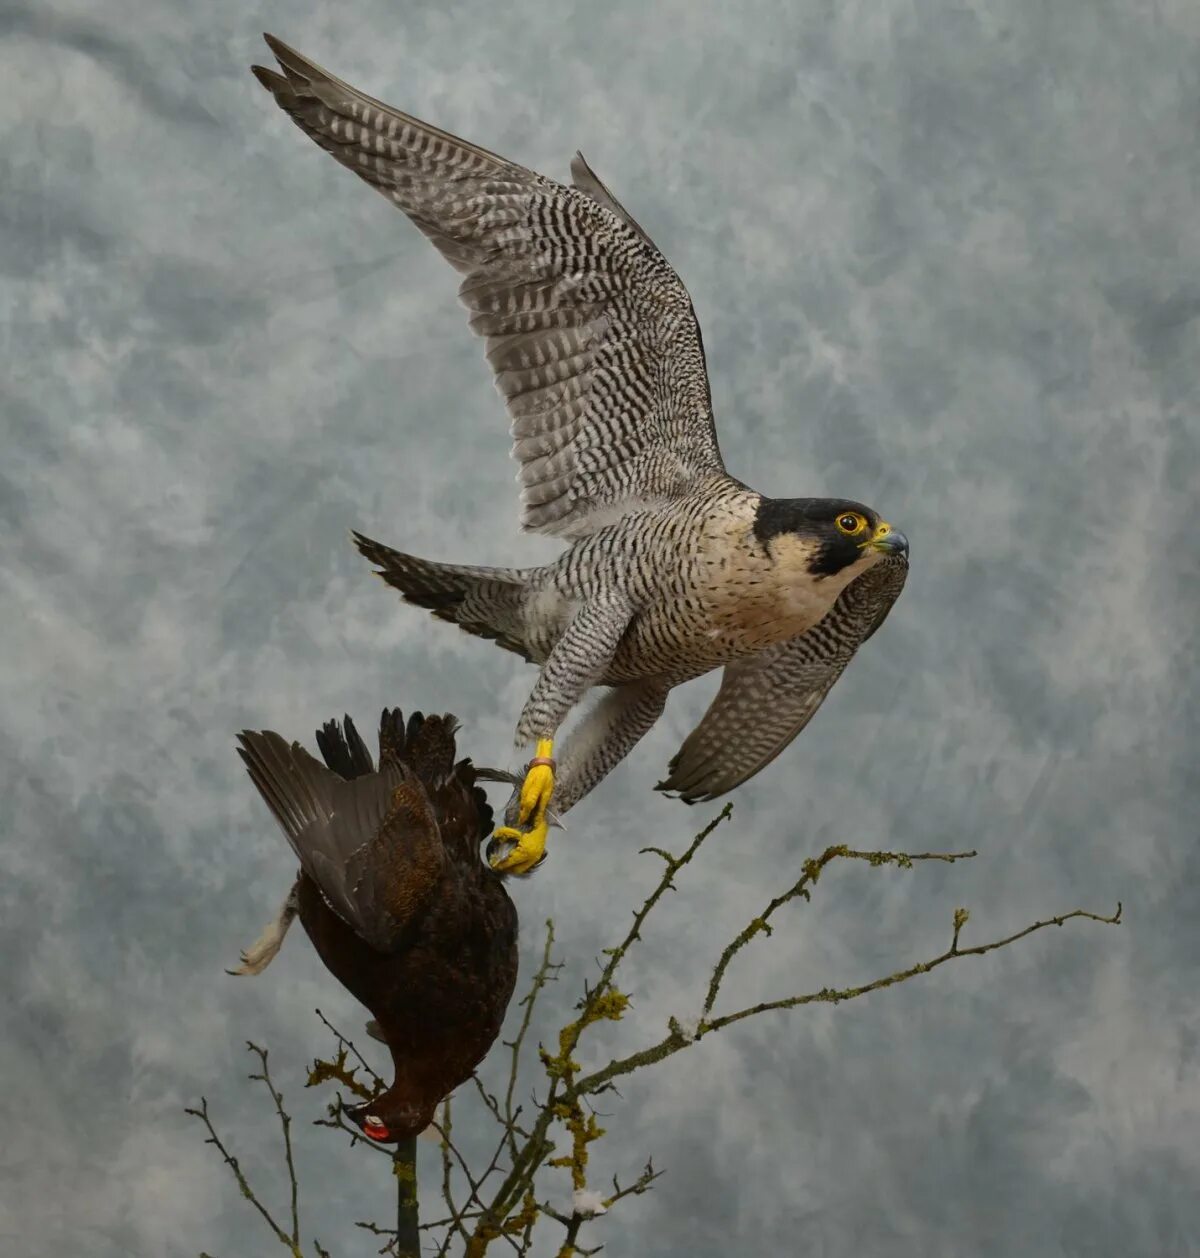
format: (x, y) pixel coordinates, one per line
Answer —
(395, 897)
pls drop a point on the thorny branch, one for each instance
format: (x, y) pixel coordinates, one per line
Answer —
(802, 889)
(511, 1211)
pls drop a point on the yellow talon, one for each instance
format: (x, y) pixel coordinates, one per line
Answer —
(529, 845)
(528, 850)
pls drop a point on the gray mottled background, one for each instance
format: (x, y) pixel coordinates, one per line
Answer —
(947, 260)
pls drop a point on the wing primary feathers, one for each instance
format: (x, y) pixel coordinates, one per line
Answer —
(591, 335)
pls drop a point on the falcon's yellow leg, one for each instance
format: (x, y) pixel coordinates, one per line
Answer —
(530, 844)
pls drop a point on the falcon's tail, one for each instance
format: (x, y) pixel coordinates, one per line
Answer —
(487, 602)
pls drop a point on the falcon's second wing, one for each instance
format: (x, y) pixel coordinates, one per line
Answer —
(767, 698)
(590, 334)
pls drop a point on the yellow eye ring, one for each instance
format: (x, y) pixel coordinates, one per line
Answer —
(851, 524)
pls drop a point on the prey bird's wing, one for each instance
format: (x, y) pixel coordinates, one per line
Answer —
(370, 844)
(590, 334)
(767, 698)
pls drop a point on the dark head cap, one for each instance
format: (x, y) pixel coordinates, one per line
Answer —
(838, 531)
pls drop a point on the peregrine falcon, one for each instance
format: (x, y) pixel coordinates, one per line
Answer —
(394, 897)
(674, 567)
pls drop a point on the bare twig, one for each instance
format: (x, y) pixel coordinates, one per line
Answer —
(280, 1235)
(447, 1172)
(285, 1123)
(666, 883)
(493, 1106)
(453, 1150)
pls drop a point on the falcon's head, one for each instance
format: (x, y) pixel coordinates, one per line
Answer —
(825, 537)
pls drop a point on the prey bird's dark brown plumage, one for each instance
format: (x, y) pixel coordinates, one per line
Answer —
(395, 897)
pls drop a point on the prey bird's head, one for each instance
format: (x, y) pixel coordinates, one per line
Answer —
(825, 537)
(390, 1117)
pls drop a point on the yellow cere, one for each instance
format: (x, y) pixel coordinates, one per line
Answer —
(882, 529)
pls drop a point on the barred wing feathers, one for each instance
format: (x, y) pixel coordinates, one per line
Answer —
(590, 334)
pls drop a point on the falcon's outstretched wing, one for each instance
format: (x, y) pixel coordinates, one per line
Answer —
(767, 698)
(590, 334)
(363, 842)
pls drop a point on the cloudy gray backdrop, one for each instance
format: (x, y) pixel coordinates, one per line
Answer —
(947, 260)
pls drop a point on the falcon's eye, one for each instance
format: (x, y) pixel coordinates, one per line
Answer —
(851, 523)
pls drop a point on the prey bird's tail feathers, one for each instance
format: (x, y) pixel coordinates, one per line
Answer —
(425, 744)
(487, 602)
(343, 749)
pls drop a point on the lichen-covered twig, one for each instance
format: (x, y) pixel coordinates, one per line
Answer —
(834, 995)
(336, 1068)
(677, 1039)
(408, 1223)
(600, 1002)
(802, 889)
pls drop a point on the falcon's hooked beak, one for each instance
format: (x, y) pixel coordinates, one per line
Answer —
(889, 540)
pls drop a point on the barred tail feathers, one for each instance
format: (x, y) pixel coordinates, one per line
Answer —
(487, 602)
